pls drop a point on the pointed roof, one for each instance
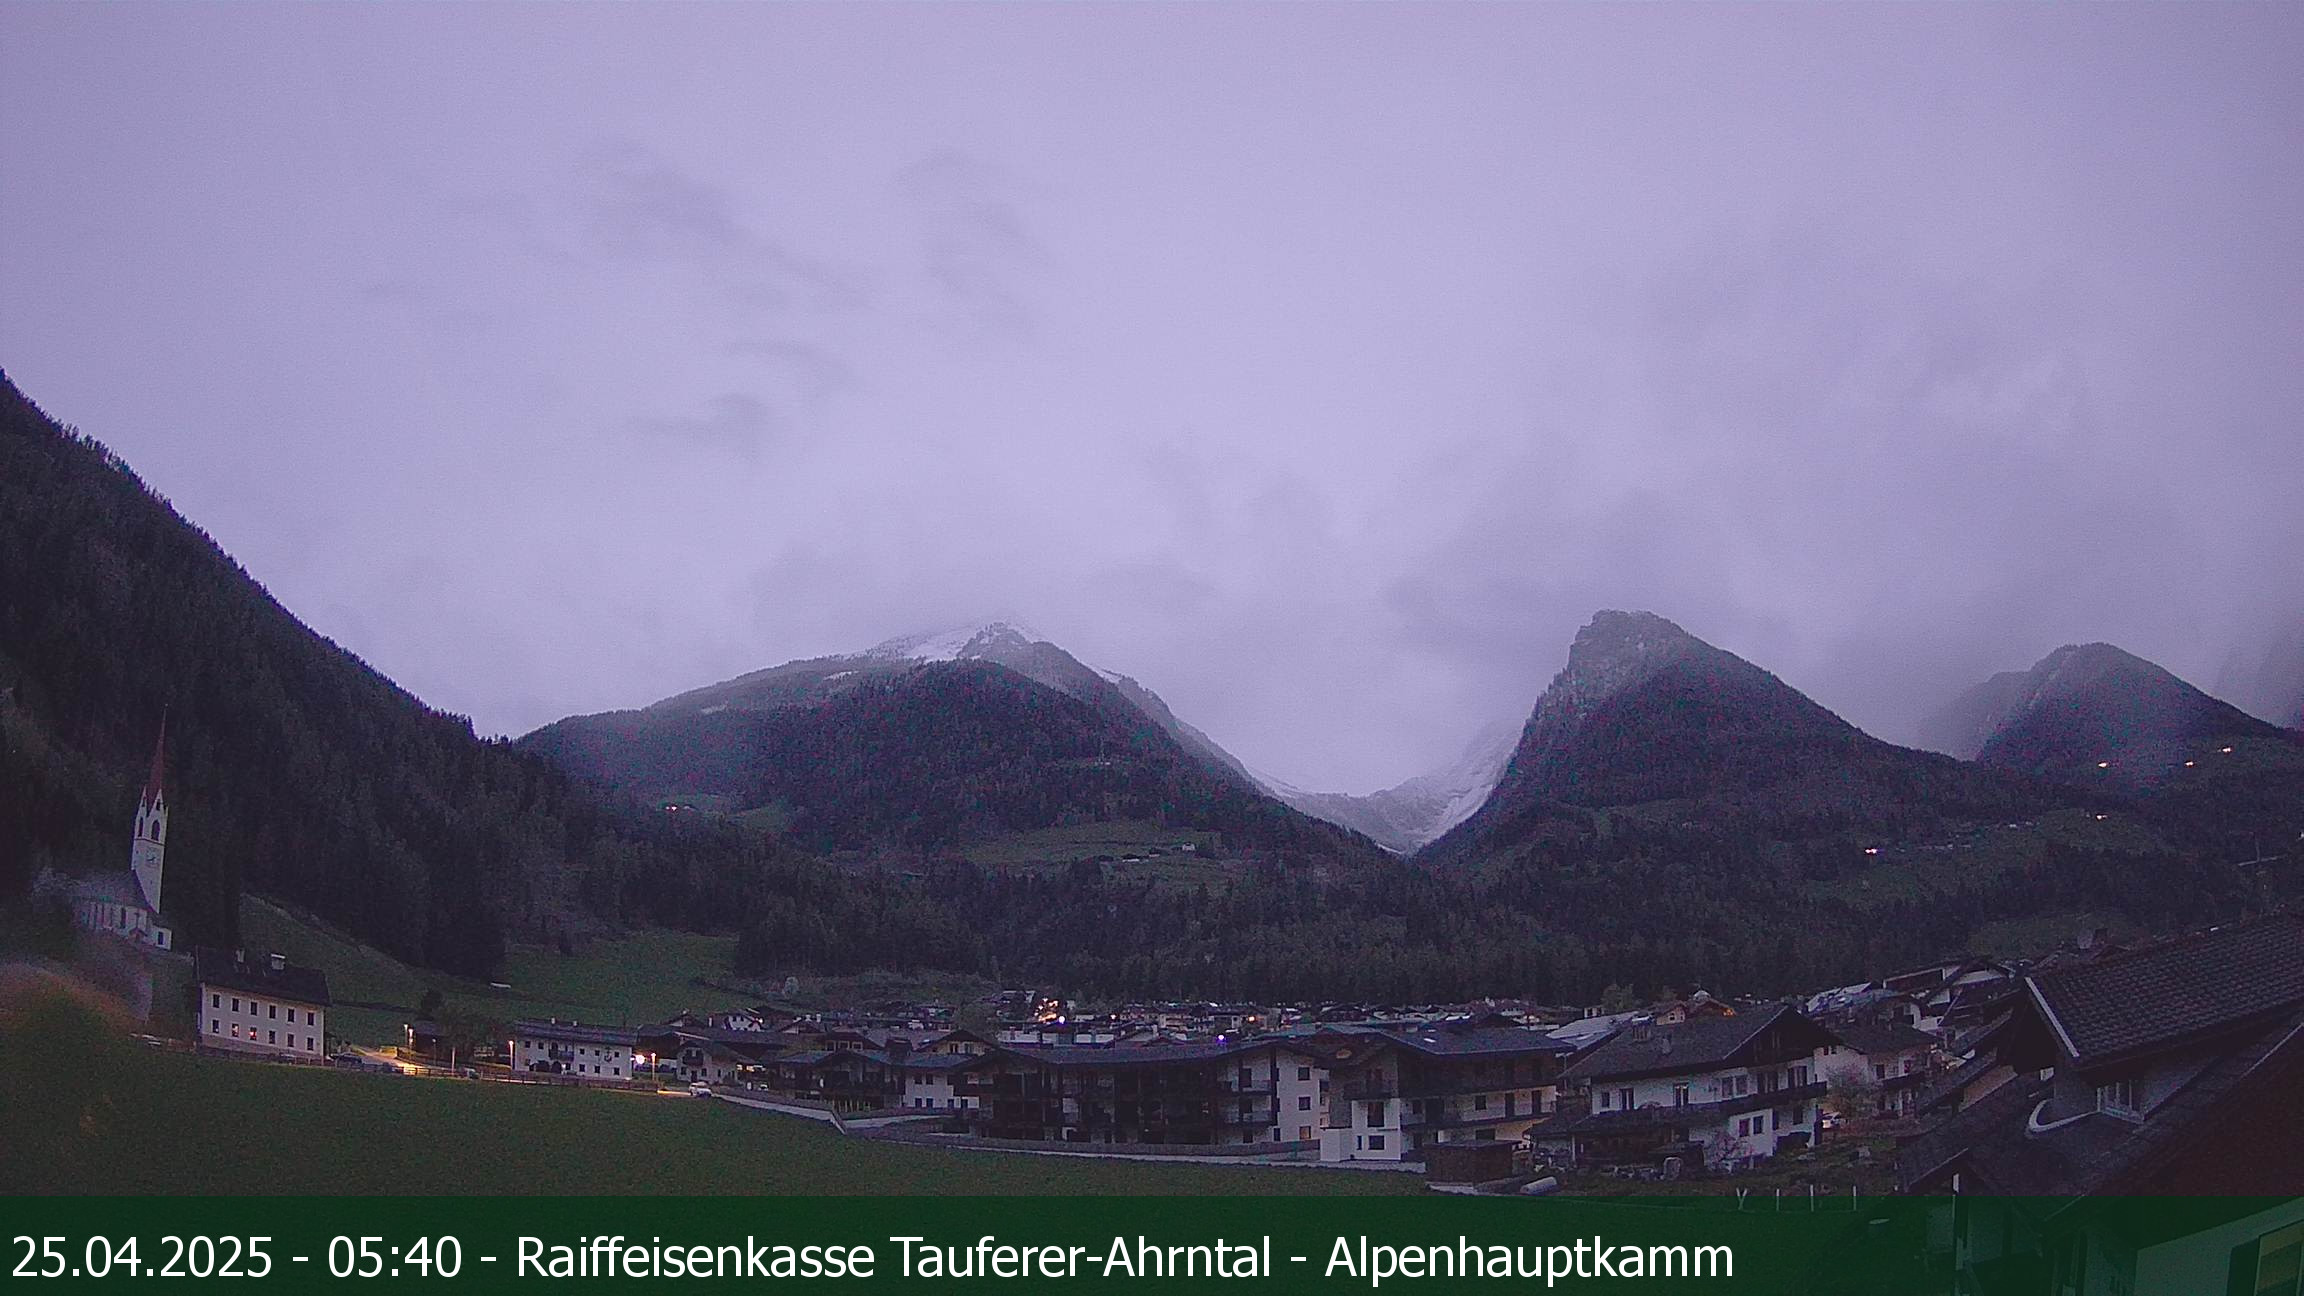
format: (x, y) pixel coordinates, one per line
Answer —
(159, 744)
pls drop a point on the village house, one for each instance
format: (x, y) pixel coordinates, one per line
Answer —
(425, 1039)
(266, 1006)
(1893, 1061)
(1954, 995)
(126, 903)
(1399, 1090)
(558, 1048)
(1210, 1092)
(2169, 1070)
(1720, 1092)
(693, 1051)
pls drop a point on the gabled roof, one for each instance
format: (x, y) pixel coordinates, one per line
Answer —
(1881, 1037)
(1993, 1143)
(1698, 1044)
(2182, 990)
(215, 967)
(575, 1033)
(1475, 1040)
(116, 886)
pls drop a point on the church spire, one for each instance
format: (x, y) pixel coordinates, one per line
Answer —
(159, 745)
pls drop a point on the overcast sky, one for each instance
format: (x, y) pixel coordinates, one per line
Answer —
(1324, 367)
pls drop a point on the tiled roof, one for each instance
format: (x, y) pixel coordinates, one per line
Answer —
(1881, 1037)
(1698, 1044)
(575, 1033)
(257, 976)
(1476, 1041)
(2183, 989)
(2097, 1153)
(118, 886)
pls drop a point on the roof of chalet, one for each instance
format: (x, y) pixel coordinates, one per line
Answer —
(1474, 1039)
(1881, 1037)
(908, 1062)
(2100, 1154)
(575, 1032)
(215, 967)
(2183, 989)
(1698, 1044)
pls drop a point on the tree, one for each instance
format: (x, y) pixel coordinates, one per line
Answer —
(1851, 1093)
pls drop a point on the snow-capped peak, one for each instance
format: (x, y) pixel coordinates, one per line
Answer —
(975, 640)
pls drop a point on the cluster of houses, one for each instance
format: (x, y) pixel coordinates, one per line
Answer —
(1700, 1083)
(2044, 1100)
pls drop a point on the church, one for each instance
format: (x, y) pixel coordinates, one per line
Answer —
(126, 903)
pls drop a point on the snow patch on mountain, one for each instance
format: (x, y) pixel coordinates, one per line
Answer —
(982, 639)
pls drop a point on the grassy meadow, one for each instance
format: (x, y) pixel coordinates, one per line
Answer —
(125, 1118)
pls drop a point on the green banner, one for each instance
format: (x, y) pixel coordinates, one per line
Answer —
(973, 1242)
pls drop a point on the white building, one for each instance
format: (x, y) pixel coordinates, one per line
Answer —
(556, 1047)
(266, 1006)
(126, 904)
(1726, 1090)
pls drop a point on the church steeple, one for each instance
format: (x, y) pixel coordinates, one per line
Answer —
(145, 856)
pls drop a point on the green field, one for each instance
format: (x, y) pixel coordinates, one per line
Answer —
(123, 1118)
(643, 977)
(1056, 848)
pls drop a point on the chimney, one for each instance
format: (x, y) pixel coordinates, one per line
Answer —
(279, 962)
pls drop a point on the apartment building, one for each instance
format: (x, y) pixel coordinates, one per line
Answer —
(266, 1005)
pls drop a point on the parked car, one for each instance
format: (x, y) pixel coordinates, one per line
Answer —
(699, 1090)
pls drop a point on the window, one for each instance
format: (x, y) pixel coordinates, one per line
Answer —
(1624, 1099)
(1303, 1102)
(271, 1037)
(1247, 1077)
(1879, 1070)
(274, 1012)
(1375, 1142)
(235, 1003)
(1680, 1094)
(215, 1027)
(215, 1001)
(1303, 1133)
(309, 1020)
(1603, 1100)
(2270, 1265)
(1376, 1114)
(1796, 1076)
(1479, 1102)
(235, 1030)
(1303, 1073)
